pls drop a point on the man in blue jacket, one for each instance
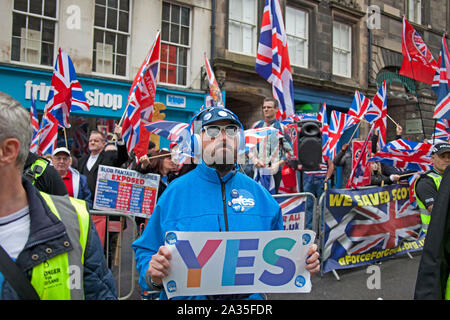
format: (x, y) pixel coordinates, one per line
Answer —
(212, 197)
(50, 240)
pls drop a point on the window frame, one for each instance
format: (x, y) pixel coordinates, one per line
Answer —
(116, 32)
(41, 18)
(177, 45)
(417, 11)
(306, 46)
(254, 30)
(342, 50)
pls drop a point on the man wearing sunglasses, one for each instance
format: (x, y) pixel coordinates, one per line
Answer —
(213, 197)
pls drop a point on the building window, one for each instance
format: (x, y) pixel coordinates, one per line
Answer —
(342, 52)
(242, 26)
(111, 36)
(297, 35)
(415, 11)
(175, 44)
(33, 31)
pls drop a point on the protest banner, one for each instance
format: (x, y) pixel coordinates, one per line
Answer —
(293, 211)
(208, 263)
(126, 191)
(368, 225)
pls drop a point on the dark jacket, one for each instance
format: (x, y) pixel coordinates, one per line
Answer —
(434, 266)
(50, 181)
(106, 158)
(47, 231)
(344, 159)
(376, 178)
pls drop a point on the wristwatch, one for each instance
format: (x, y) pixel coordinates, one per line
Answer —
(151, 283)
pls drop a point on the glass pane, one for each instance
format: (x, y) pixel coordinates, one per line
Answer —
(36, 6)
(163, 72)
(181, 75)
(112, 3)
(100, 13)
(48, 33)
(123, 21)
(110, 38)
(166, 11)
(47, 54)
(20, 5)
(34, 23)
(184, 36)
(175, 15)
(50, 8)
(125, 5)
(235, 10)
(175, 33)
(112, 19)
(164, 52)
(172, 54)
(122, 44)
(94, 60)
(15, 49)
(121, 65)
(165, 31)
(98, 37)
(19, 22)
(185, 16)
(182, 56)
(102, 2)
(172, 74)
(234, 37)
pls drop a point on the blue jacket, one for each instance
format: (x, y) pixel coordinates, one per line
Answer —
(46, 230)
(202, 201)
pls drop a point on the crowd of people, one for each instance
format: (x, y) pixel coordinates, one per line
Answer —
(218, 130)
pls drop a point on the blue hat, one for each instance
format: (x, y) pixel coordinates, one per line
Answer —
(212, 115)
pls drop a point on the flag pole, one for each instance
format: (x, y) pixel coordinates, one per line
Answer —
(392, 119)
(65, 137)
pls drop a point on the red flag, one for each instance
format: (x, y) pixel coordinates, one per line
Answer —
(418, 62)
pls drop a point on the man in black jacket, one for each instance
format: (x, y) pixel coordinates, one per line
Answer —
(88, 164)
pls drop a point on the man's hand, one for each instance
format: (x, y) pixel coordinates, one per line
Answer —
(118, 132)
(144, 161)
(312, 262)
(159, 266)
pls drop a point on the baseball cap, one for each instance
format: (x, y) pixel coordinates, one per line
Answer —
(440, 148)
(61, 149)
(212, 115)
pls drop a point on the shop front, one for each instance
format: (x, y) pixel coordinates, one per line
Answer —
(107, 99)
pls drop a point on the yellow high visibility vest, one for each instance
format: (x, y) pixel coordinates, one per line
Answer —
(61, 277)
(425, 215)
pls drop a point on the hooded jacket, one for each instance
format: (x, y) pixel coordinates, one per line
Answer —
(202, 201)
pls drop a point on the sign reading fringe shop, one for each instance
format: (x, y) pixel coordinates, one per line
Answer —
(368, 225)
(208, 263)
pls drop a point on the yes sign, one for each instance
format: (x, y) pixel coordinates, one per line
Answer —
(205, 263)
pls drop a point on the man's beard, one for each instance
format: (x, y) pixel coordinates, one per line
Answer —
(223, 159)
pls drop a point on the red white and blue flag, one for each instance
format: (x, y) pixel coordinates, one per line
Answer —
(322, 118)
(141, 99)
(214, 90)
(336, 126)
(34, 124)
(360, 175)
(442, 130)
(66, 93)
(405, 154)
(293, 211)
(171, 130)
(272, 59)
(48, 134)
(254, 136)
(377, 113)
(442, 110)
(358, 108)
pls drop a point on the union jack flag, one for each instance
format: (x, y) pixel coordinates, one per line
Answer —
(412, 186)
(264, 177)
(378, 112)
(359, 176)
(336, 126)
(214, 90)
(322, 118)
(254, 136)
(442, 130)
(34, 125)
(442, 110)
(66, 92)
(293, 211)
(369, 228)
(405, 154)
(358, 108)
(272, 59)
(171, 130)
(141, 98)
(48, 134)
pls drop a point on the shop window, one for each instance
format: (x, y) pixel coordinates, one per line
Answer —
(242, 26)
(297, 35)
(342, 49)
(415, 11)
(33, 31)
(111, 36)
(175, 44)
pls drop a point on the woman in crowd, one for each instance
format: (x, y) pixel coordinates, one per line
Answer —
(379, 179)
